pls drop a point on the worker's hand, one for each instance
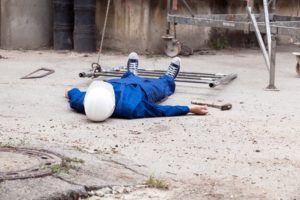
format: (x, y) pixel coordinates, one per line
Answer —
(198, 110)
(66, 93)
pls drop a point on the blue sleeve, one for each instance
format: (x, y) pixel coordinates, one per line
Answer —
(76, 98)
(146, 109)
(169, 111)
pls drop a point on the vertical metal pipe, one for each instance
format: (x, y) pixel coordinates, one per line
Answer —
(168, 12)
(274, 6)
(188, 7)
(250, 3)
(273, 64)
(259, 38)
(267, 25)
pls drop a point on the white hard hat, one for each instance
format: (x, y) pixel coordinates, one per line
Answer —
(99, 101)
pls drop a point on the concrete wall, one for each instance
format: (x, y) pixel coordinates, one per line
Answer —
(139, 24)
(132, 25)
(26, 24)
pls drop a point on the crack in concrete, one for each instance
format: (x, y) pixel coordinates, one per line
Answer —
(125, 166)
(67, 181)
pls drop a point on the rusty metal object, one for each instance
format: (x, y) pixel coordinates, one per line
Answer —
(48, 72)
(21, 163)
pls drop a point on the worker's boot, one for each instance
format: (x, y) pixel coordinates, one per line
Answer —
(133, 63)
(174, 68)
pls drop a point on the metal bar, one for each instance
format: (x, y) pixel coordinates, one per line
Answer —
(259, 38)
(267, 25)
(270, 2)
(236, 18)
(225, 79)
(286, 18)
(274, 6)
(123, 70)
(273, 64)
(186, 73)
(168, 12)
(278, 27)
(212, 81)
(288, 24)
(195, 77)
(48, 72)
(97, 74)
(188, 7)
(207, 22)
(226, 17)
(148, 70)
(250, 3)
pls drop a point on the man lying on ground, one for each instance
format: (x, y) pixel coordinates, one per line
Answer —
(131, 96)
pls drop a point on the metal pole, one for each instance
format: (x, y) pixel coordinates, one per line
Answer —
(273, 6)
(250, 3)
(188, 7)
(267, 24)
(259, 38)
(168, 12)
(273, 64)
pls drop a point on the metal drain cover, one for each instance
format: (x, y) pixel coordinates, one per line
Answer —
(21, 163)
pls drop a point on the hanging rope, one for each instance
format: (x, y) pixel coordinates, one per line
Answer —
(103, 31)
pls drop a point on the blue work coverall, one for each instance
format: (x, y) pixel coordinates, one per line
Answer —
(136, 97)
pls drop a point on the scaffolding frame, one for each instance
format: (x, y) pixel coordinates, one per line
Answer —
(212, 80)
(267, 23)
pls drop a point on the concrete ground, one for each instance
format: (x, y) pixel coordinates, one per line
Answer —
(250, 152)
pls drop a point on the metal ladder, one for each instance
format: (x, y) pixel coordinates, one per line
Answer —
(212, 80)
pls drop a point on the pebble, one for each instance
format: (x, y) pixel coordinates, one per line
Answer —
(94, 198)
(114, 190)
(119, 189)
(103, 191)
(99, 193)
(128, 189)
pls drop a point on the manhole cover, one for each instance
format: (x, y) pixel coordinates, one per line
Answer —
(20, 163)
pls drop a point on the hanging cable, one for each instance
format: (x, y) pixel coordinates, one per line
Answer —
(103, 31)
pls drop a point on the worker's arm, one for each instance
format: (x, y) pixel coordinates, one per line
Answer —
(146, 109)
(182, 110)
(76, 98)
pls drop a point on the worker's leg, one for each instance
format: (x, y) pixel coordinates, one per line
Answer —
(154, 89)
(132, 67)
(158, 89)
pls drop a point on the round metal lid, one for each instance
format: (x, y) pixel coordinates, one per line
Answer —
(21, 163)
